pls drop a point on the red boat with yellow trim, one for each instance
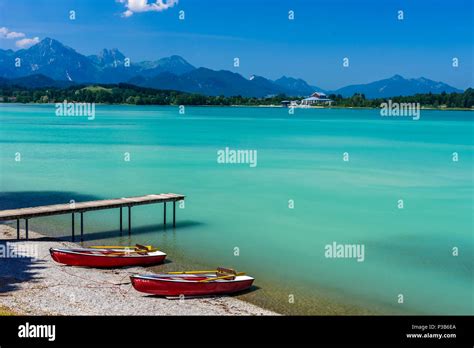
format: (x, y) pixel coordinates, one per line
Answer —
(108, 257)
(193, 283)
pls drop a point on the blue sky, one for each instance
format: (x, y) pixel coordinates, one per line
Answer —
(311, 46)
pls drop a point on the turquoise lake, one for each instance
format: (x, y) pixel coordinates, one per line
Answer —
(408, 251)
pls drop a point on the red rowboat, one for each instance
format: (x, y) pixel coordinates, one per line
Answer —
(106, 258)
(194, 284)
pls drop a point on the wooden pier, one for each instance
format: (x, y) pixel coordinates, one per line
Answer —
(82, 207)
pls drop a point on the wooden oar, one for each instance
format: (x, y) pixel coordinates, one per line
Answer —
(128, 250)
(117, 253)
(223, 277)
(137, 246)
(139, 252)
(193, 272)
(143, 247)
(111, 247)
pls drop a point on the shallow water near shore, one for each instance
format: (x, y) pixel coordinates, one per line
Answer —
(408, 251)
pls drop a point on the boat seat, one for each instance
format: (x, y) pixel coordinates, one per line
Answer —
(222, 272)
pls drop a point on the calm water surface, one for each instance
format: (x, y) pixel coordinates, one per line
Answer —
(408, 251)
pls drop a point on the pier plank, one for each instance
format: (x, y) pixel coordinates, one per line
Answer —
(68, 208)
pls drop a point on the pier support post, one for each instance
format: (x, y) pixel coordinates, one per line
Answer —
(82, 226)
(121, 228)
(164, 214)
(18, 229)
(174, 213)
(26, 228)
(129, 220)
(72, 227)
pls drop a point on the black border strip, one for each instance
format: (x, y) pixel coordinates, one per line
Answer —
(291, 330)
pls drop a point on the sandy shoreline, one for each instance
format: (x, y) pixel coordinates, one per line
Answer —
(39, 286)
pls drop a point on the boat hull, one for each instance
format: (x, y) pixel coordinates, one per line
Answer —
(166, 287)
(104, 261)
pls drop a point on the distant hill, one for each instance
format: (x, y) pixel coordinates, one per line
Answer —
(397, 86)
(34, 81)
(174, 64)
(108, 58)
(51, 58)
(54, 60)
(210, 82)
(58, 62)
(49, 62)
(297, 86)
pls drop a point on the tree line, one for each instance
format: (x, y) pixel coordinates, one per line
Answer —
(129, 94)
(448, 100)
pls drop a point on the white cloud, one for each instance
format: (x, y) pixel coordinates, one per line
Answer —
(127, 13)
(7, 34)
(24, 43)
(137, 6)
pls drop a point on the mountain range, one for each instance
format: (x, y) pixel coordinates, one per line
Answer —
(50, 63)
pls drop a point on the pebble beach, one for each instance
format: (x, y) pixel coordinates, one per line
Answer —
(39, 286)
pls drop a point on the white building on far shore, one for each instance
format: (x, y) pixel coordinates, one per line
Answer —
(317, 98)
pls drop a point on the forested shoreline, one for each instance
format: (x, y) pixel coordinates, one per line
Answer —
(130, 94)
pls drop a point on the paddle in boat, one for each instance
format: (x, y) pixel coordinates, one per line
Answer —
(108, 256)
(193, 283)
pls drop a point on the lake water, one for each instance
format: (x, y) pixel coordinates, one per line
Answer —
(239, 216)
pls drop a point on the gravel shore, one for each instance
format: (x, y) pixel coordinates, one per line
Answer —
(40, 286)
